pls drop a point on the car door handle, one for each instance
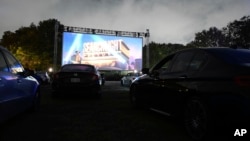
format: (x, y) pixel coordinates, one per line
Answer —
(182, 77)
(1, 84)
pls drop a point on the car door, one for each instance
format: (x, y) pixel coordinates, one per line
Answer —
(9, 94)
(23, 86)
(155, 83)
(172, 83)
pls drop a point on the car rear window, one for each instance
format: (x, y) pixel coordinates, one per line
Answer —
(234, 56)
(69, 68)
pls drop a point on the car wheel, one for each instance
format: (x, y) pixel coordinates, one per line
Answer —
(197, 122)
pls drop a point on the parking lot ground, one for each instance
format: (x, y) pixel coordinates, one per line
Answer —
(110, 118)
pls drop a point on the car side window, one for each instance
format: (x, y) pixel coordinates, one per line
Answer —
(182, 61)
(164, 66)
(198, 61)
(13, 64)
(3, 65)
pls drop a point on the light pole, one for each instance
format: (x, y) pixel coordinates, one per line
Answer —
(55, 46)
(147, 48)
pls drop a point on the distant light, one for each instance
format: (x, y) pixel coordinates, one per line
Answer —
(50, 69)
(135, 71)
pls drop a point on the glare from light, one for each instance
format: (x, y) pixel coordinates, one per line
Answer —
(50, 69)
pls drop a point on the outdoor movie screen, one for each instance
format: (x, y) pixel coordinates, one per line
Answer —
(105, 52)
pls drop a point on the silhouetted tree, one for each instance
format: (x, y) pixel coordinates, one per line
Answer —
(34, 45)
(209, 38)
(238, 32)
(158, 51)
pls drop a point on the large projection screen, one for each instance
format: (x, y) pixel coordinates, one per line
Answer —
(105, 52)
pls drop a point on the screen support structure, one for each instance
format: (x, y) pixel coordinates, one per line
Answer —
(147, 48)
(55, 46)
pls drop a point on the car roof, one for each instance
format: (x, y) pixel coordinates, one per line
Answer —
(78, 65)
(238, 56)
(224, 49)
(218, 50)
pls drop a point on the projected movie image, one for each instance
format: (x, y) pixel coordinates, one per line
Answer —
(103, 51)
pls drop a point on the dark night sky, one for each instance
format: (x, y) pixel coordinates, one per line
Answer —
(169, 21)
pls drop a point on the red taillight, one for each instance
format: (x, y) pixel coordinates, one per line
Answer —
(242, 81)
(95, 77)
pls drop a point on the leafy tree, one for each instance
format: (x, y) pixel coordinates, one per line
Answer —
(46, 38)
(25, 57)
(34, 45)
(158, 51)
(209, 38)
(238, 32)
(21, 43)
(10, 41)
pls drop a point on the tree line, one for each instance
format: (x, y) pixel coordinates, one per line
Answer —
(235, 35)
(34, 45)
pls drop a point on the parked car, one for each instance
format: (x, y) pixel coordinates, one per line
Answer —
(19, 91)
(204, 87)
(128, 78)
(103, 78)
(44, 76)
(33, 74)
(81, 78)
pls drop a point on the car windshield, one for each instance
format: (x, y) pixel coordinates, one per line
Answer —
(234, 56)
(78, 68)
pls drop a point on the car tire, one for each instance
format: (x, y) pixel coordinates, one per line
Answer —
(197, 119)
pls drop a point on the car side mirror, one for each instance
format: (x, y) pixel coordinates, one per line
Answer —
(27, 72)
